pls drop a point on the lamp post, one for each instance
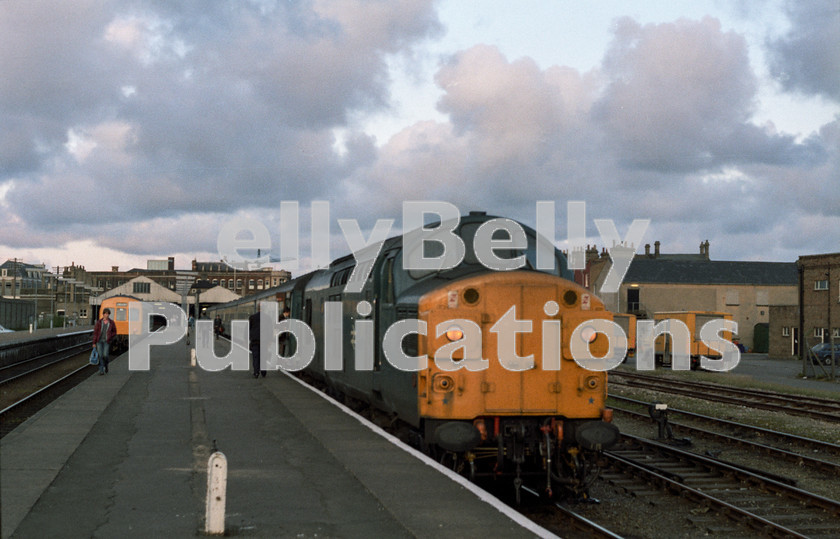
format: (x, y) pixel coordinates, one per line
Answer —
(831, 339)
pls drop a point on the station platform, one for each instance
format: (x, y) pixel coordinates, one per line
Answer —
(125, 455)
(15, 337)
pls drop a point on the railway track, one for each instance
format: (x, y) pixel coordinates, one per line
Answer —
(16, 371)
(814, 407)
(29, 385)
(562, 518)
(763, 504)
(829, 453)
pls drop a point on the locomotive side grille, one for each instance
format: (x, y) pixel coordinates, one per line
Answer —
(404, 313)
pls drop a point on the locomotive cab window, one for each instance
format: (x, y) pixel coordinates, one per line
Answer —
(468, 234)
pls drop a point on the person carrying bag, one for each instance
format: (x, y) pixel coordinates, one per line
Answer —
(103, 334)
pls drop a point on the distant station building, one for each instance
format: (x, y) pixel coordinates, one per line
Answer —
(657, 282)
(240, 282)
(70, 295)
(57, 296)
(145, 289)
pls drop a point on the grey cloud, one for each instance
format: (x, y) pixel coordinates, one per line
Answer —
(680, 97)
(807, 58)
(674, 90)
(225, 104)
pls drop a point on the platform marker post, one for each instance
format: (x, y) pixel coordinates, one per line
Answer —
(192, 357)
(214, 518)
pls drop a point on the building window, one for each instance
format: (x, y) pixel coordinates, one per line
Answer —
(786, 331)
(250, 283)
(230, 284)
(732, 297)
(142, 288)
(835, 333)
(259, 284)
(819, 332)
(239, 283)
(821, 285)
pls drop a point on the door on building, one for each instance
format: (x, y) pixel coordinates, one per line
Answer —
(794, 341)
(761, 338)
(632, 300)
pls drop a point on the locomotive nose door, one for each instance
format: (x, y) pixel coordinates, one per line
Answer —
(532, 390)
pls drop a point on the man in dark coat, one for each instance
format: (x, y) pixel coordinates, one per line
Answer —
(254, 343)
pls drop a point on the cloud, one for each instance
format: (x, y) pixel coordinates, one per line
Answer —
(807, 58)
(158, 108)
(140, 127)
(662, 131)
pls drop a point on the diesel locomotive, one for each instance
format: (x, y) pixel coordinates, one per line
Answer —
(546, 418)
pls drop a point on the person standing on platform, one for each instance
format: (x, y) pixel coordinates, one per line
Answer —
(104, 332)
(218, 328)
(284, 337)
(254, 343)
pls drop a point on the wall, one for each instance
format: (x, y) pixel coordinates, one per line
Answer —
(784, 325)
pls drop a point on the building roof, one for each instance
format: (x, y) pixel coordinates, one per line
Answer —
(217, 294)
(156, 292)
(711, 272)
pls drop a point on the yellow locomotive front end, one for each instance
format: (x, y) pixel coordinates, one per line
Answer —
(502, 393)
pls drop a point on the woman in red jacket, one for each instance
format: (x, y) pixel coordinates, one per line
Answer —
(103, 333)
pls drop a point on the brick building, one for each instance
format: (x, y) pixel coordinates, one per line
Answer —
(784, 332)
(819, 296)
(60, 293)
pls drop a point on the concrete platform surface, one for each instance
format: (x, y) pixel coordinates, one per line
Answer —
(125, 455)
(15, 337)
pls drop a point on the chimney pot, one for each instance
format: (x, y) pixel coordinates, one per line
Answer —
(647, 249)
(656, 248)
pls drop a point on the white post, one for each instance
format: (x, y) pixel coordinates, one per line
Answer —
(214, 518)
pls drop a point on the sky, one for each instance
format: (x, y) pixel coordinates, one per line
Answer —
(136, 130)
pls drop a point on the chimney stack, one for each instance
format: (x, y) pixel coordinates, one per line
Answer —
(171, 263)
(647, 249)
(656, 249)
